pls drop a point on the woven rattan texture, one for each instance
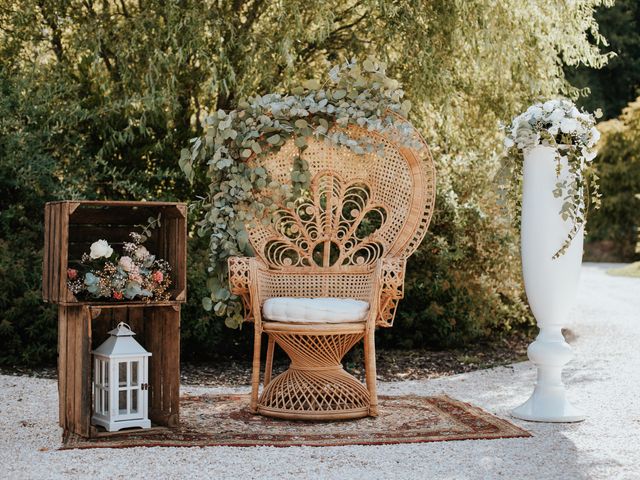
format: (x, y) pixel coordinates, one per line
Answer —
(348, 238)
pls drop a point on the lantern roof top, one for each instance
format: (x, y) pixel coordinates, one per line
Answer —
(122, 330)
(121, 343)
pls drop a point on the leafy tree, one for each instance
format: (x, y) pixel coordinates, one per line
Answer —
(616, 84)
(613, 231)
(99, 96)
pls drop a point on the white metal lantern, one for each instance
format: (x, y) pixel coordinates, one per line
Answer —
(120, 389)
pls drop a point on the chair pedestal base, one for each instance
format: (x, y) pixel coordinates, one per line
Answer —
(326, 394)
(315, 387)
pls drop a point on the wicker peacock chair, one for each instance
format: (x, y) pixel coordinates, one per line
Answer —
(349, 239)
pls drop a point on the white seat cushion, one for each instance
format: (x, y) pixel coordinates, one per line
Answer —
(315, 310)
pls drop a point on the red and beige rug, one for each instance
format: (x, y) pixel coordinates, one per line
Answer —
(224, 420)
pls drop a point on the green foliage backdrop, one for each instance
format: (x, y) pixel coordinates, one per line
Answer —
(618, 82)
(614, 229)
(98, 98)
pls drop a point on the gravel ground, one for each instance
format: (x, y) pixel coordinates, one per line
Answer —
(602, 379)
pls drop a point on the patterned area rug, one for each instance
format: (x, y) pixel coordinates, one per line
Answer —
(224, 420)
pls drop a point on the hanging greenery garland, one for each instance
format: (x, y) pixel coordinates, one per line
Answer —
(229, 152)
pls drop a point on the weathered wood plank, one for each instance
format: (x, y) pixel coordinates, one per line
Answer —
(62, 366)
(65, 294)
(83, 374)
(101, 324)
(166, 345)
(116, 216)
(112, 234)
(46, 254)
(137, 324)
(55, 252)
(181, 243)
(119, 315)
(172, 346)
(70, 391)
(153, 331)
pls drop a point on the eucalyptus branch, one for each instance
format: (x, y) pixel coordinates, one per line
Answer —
(229, 153)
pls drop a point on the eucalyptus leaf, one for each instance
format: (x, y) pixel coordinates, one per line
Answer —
(339, 94)
(274, 139)
(312, 84)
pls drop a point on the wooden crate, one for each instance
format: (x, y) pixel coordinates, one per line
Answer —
(72, 226)
(84, 327)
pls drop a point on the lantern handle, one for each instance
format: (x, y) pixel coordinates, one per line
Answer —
(121, 330)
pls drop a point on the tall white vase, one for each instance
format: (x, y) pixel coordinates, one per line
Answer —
(551, 286)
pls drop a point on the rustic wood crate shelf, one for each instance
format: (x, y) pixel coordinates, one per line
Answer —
(70, 228)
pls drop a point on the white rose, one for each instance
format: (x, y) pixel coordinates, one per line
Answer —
(583, 117)
(549, 105)
(588, 155)
(535, 112)
(595, 136)
(569, 125)
(100, 249)
(556, 116)
(508, 142)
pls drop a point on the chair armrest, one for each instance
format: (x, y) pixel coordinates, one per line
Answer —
(390, 289)
(241, 280)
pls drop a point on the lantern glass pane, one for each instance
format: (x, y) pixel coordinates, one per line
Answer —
(122, 402)
(105, 373)
(97, 372)
(122, 374)
(105, 402)
(134, 401)
(97, 399)
(134, 373)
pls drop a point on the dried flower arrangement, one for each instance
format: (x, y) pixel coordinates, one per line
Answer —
(136, 274)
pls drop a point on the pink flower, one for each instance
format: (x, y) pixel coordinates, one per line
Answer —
(135, 277)
(126, 263)
(117, 295)
(157, 276)
(72, 273)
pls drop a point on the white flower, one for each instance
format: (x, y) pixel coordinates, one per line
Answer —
(584, 117)
(595, 136)
(556, 116)
(141, 253)
(569, 125)
(549, 105)
(100, 249)
(126, 263)
(534, 112)
(508, 142)
(588, 154)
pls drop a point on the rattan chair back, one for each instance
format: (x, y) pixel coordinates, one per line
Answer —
(360, 207)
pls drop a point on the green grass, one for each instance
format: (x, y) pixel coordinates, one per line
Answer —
(632, 270)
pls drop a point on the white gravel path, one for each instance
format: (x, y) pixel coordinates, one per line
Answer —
(603, 379)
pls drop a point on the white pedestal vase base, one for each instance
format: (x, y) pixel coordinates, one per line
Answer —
(548, 403)
(551, 285)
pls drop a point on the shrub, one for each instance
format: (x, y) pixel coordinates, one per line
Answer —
(98, 99)
(613, 230)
